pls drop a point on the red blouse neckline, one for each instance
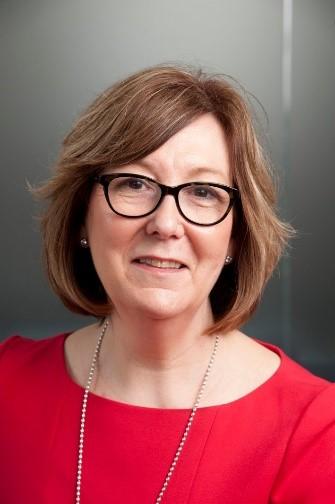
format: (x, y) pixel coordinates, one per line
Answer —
(118, 404)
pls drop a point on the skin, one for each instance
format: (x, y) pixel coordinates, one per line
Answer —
(116, 241)
(155, 344)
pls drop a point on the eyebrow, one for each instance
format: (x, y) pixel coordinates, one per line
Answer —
(194, 171)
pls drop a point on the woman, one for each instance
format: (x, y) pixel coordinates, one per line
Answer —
(161, 224)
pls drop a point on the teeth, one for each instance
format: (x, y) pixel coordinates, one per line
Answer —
(160, 264)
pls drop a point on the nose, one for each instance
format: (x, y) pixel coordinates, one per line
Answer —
(166, 221)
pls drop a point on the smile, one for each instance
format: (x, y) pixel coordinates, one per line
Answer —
(160, 263)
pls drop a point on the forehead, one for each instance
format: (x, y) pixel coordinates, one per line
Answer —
(198, 150)
(199, 146)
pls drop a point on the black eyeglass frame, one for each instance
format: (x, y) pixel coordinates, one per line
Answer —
(105, 180)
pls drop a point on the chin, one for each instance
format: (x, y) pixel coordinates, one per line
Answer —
(160, 304)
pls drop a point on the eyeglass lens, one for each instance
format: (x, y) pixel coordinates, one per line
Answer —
(134, 196)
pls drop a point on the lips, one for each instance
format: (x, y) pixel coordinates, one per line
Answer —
(160, 262)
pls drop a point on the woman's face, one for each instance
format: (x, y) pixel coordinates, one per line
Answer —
(198, 152)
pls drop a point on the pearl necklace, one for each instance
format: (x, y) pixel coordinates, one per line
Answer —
(84, 408)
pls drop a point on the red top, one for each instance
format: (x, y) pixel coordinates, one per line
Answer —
(274, 445)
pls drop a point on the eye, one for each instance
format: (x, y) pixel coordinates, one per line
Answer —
(205, 196)
(204, 192)
(132, 187)
(134, 184)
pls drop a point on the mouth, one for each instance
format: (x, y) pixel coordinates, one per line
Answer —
(160, 263)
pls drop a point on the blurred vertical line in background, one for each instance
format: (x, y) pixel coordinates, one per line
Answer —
(287, 104)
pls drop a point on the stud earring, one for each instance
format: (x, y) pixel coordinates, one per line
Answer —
(84, 243)
(228, 259)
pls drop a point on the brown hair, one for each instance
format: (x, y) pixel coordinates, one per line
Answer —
(127, 122)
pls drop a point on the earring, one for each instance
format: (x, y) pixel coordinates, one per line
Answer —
(228, 259)
(84, 243)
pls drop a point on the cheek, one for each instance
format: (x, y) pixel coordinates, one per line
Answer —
(215, 242)
(101, 225)
(98, 232)
(110, 238)
(105, 241)
(96, 215)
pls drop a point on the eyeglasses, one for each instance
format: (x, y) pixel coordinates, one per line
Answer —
(202, 203)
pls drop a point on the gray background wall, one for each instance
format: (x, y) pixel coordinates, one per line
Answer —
(56, 56)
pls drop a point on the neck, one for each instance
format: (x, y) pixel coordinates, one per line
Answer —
(155, 343)
(157, 363)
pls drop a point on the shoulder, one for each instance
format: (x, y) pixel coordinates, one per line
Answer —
(292, 413)
(254, 371)
(19, 355)
(307, 472)
(287, 373)
(305, 407)
(296, 380)
(20, 345)
(254, 366)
